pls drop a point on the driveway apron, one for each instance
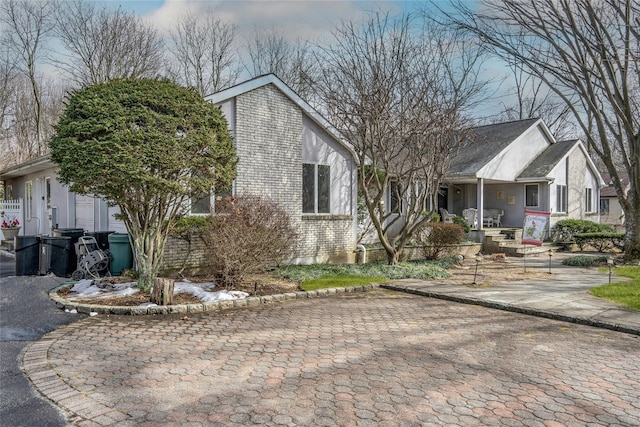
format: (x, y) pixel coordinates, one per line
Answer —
(376, 358)
(26, 314)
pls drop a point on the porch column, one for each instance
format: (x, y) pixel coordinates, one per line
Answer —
(480, 202)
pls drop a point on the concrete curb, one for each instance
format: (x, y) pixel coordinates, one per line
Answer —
(211, 306)
(514, 309)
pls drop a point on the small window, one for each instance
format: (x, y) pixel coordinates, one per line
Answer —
(531, 195)
(561, 198)
(201, 204)
(316, 188)
(47, 191)
(588, 200)
(28, 194)
(604, 206)
(394, 197)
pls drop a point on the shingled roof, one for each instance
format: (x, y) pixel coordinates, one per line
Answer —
(485, 143)
(542, 165)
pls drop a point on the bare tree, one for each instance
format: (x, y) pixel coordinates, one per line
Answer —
(102, 45)
(269, 51)
(397, 92)
(587, 53)
(28, 25)
(534, 99)
(204, 51)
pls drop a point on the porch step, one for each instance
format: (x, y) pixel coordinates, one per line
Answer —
(519, 250)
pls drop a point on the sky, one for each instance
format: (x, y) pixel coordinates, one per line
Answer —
(305, 19)
(296, 19)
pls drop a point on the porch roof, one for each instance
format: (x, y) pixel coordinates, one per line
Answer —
(542, 165)
(31, 166)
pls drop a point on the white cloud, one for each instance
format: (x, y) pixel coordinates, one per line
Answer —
(307, 20)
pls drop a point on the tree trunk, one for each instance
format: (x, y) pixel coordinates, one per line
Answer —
(632, 226)
(162, 291)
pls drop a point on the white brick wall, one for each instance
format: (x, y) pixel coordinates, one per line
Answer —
(268, 137)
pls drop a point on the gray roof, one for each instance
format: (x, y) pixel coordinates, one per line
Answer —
(542, 165)
(485, 143)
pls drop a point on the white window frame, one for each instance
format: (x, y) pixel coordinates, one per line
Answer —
(28, 199)
(562, 205)
(537, 196)
(316, 191)
(588, 200)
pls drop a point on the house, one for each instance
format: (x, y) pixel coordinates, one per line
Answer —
(286, 150)
(516, 166)
(611, 212)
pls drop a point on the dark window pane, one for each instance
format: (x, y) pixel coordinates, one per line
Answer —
(532, 195)
(201, 205)
(394, 190)
(308, 188)
(604, 206)
(324, 189)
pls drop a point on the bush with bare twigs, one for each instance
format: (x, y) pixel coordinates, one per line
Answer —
(248, 235)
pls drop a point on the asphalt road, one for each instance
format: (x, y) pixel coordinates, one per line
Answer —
(26, 314)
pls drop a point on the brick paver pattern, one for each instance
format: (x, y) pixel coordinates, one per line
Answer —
(371, 359)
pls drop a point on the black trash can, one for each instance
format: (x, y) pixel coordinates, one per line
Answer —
(74, 234)
(54, 255)
(102, 238)
(27, 255)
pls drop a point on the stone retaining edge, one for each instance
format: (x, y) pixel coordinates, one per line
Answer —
(208, 306)
(513, 309)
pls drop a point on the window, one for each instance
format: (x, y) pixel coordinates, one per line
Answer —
(316, 188)
(47, 191)
(28, 194)
(201, 204)
(531, 195)
(561, 198)
(588, 200)
(394, 197)
(604, 206)
(9, 195)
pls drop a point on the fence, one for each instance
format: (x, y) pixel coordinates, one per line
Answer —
(12, 209)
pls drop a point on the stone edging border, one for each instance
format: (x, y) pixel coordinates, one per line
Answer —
(209, 306)
(513, 308)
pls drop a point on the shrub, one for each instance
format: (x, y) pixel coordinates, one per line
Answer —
(463, 222)
(437, 236)
(585, 261)
(600, 241)
(564, 230)
(248, 235)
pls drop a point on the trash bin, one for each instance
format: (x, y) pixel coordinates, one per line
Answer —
(74, 234)
(102, 238)
(54, 255)
(120, 248)
(27, 255)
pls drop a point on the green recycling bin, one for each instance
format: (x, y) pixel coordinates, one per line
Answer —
(120, 248)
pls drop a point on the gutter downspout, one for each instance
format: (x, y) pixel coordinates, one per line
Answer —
(361, 248)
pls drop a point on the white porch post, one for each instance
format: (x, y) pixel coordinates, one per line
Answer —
(480, 202)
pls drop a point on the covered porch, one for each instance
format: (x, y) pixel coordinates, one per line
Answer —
(486, 203)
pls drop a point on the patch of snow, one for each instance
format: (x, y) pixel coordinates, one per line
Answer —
(204, 291)
(90, 289)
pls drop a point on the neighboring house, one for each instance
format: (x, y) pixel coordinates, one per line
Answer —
(286, 152)
(518, 166)
(611, 212)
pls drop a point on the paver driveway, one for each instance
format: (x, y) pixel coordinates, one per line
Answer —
(375, 358)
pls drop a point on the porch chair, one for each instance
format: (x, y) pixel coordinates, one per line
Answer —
(471, 216)
(446, 216)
